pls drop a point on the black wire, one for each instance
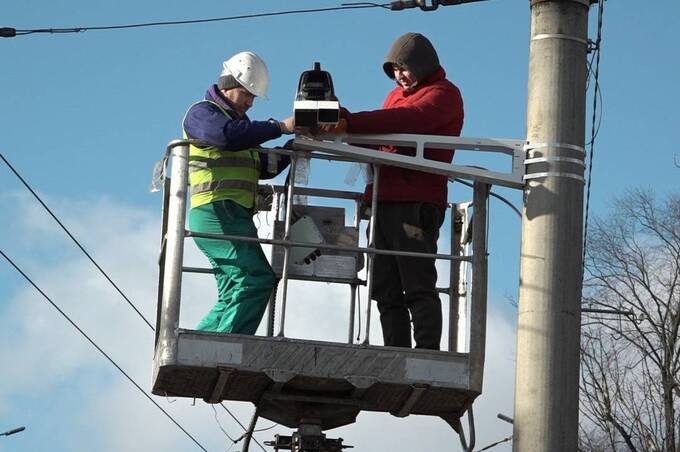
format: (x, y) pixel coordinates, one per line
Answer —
(16, 173)
(264, 429)
(504, 440)
(368, 4)
(593, 132)
(495, 195)
(198, 21)
(220, 425)
(94, 344)
(85, 252)
(242, 426)
(23, 181)
(597, 92)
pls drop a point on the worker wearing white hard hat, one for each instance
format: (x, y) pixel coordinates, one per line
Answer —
(249, 71)
(223, 181)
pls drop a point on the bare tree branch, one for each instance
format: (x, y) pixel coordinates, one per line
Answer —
(630, 386)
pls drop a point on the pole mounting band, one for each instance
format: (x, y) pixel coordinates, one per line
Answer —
(582, 2)
(554, 174)
(555, 159)
(541, 36)
(572, 147)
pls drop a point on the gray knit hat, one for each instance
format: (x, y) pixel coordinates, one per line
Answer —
(227, 82)
(414, 52)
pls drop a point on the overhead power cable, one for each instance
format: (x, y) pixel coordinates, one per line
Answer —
(10, 32)
(490, 446)
(99, 349)
(28, 187)
(13, 431)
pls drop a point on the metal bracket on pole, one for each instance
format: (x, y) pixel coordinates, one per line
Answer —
(554, 159)
(349, 146)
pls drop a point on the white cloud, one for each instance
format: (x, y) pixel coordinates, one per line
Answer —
(48, 355)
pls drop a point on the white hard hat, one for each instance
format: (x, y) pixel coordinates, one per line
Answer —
(250, 71)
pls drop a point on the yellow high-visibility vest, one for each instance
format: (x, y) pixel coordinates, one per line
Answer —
(215, 175)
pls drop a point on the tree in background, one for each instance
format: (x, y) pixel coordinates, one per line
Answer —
(630, 387)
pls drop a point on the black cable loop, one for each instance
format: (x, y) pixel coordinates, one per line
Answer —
(495, 195)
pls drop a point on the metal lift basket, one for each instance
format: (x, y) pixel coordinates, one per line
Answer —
(291, 380)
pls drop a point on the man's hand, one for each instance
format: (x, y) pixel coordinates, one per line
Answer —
(332, 129)
(287, 125)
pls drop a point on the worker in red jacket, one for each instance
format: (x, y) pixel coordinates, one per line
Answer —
(411, 204)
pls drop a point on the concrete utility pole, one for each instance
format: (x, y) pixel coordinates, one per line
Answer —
(548, 336)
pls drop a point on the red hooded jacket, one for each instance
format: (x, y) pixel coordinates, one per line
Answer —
(434, 107)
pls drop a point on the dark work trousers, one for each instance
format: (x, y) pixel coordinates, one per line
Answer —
(403, 285)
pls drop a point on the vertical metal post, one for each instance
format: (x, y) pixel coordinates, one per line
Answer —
(479, 285)
(352, 311)
(454, 278)
(161, 257)
(271, 305)
(286, 236)
(271, 308)
(463, 285)
(371, 244)
(354, 287)
(549, 315)
(174, 251)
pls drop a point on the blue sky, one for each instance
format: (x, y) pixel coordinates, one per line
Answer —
(85, 116)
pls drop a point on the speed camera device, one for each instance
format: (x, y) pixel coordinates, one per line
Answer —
(315, 102)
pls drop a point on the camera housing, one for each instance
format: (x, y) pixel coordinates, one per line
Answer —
(315, 102)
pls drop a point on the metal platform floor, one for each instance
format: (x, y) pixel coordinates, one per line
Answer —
(292, 379)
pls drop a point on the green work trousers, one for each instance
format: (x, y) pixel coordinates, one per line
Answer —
(243, 275)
